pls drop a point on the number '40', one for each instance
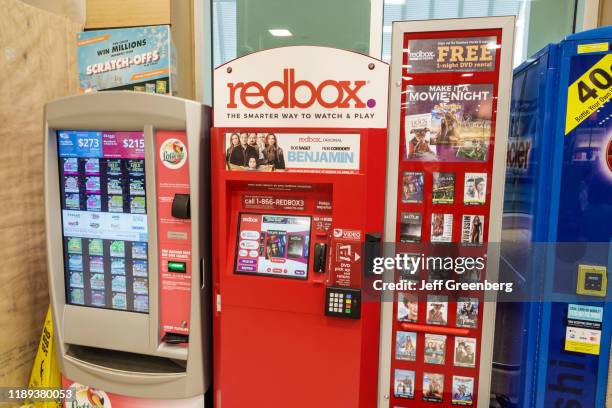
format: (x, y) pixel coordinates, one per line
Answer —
(600, 79)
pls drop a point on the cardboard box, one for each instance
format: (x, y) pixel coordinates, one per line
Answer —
(138, 59)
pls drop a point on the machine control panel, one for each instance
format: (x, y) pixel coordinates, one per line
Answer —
(592, 280)
(343, 302)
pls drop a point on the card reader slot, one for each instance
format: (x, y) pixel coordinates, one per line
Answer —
(123, 361)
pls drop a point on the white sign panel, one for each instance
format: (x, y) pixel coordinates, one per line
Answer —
(296, 152)
(302, 86)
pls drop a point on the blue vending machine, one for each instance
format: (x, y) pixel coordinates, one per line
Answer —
(552, 341)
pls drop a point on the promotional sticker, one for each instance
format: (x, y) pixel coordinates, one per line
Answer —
(454, 54)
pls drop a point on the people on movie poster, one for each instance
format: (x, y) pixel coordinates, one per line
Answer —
(254, 151)
(465, 352)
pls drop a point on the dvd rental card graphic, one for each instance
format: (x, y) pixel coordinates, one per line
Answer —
(403, 384)
(465, 352)
(435, 349)
(407, 307)
(475, 188)
(472, 229)
(412, 187)
(410, 227)
(405, 346)
(433, 387)
(463, 390)
(450, 123)
(437, 310)
(467, 312)
(443, 191)
(441, 227)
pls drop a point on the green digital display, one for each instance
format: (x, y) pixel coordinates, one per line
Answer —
(177, 267)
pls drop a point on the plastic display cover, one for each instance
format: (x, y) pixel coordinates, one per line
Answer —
(104, 219)
(273, 245)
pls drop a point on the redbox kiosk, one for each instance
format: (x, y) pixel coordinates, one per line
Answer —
(448, 127)
(127, 217)
(298, 154)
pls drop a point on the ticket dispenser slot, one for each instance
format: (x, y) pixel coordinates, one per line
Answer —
(181, 206)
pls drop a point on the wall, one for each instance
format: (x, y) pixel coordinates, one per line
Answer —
(73, 9)
(37, 59)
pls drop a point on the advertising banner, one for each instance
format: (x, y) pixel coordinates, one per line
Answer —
(455, 54)
(264, 90)
(294, 152)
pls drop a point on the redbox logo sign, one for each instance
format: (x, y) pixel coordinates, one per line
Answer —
(328, 94)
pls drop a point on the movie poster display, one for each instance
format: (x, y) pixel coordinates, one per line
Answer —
(446, 131)
(449, 123)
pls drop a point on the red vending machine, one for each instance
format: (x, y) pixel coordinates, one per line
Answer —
(448, 127)
(298, 154)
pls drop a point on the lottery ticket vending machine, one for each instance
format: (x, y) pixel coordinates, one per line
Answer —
(298, 150)
(126, 195)
(447, 148)
(557, 209)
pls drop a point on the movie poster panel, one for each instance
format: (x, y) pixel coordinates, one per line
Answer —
(292, 152)
(448, 123)
(457, 54)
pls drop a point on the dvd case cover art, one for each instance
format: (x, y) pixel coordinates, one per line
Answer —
(433, 387)
(412, 187)
(412, 272)
(470, 275)
(472, 229)
(450, 123)
(410, 227)
(437, 310)
(436, 274)
(417, 131)
(465, 352)
(463, 390)
(443, 190)
(405, 346)
(407, 307)
(441, 227)
(435, 349)
(467, 312)
(403, 384)
(475, 189)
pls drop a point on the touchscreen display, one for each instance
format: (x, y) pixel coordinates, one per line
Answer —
(274, 245)
(104, 219)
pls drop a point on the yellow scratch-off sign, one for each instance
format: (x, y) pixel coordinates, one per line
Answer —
(589, 93)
